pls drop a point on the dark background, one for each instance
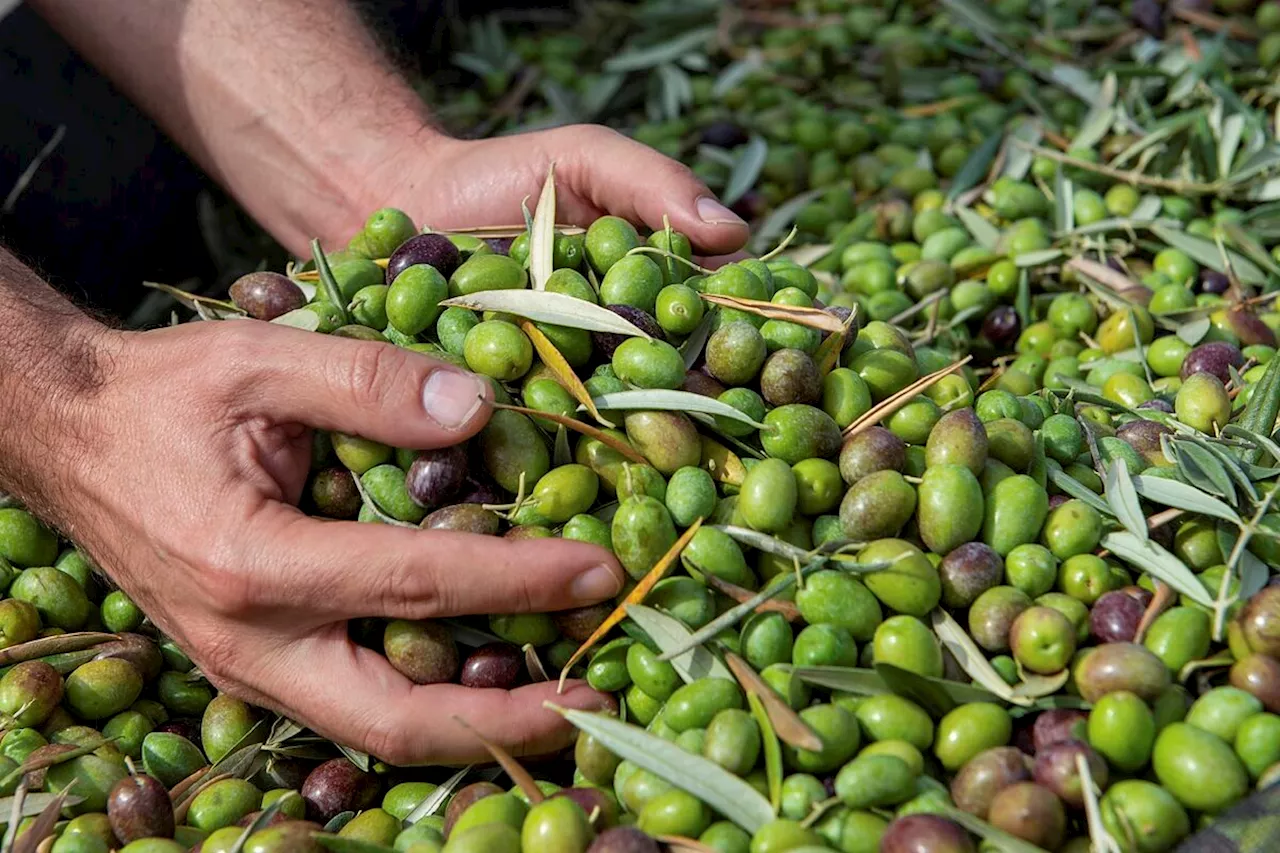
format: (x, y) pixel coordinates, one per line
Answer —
(115, 203)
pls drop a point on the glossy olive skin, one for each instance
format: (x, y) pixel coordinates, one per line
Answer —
(139, 807)
(985, 775)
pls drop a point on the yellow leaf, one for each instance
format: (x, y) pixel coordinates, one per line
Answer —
(578, 426)
(721, 463)
(636, 596)
(786, 722)
(563, 372)
(814, 318)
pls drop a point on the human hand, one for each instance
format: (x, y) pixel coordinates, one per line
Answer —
(449, 183)
(201, 452)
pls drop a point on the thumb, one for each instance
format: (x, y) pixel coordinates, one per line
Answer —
(632, 180)
(375, 390)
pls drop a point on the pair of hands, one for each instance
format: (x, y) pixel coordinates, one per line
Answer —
(202, 446)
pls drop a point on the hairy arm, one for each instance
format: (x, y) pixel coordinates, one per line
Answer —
(53, 361)
(289, 104)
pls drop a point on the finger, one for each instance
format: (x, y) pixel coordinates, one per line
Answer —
(375, 390)
(344, 570)
(352, 695)
(632, 180)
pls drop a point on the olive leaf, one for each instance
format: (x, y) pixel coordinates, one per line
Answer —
(1182, 496)
(746, 170)
(329, 284)
(927, 694)
(671, 401)
(1206, 252)
(1122, 497)
(578, 426)
(562, 370)
(1063, 201)
(975, 166)
(1193, 332)
(667, 632)
(548, 307)
(355, 756)
(299, 318)
(1037, 258)
(1199, 467)
(693, 345)
(709, 782)
(1076, 489)
(1229, 463)
(801, 315)
(42, 827)
(59, 644)
(1100, 839)
(435, 801)
(1156, 561)
(782, 217)
(542, 237)
(971, 658)
(984, 233)
(873, 682)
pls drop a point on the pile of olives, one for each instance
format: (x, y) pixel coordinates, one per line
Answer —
(965, 494)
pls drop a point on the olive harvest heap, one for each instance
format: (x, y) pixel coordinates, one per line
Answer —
(948, 516)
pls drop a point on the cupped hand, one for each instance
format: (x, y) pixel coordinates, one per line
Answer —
(449, 184)
(202, 450)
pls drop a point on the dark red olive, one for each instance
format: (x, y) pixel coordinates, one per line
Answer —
(607, 342)
(434, 249)
(478, 491)
(338, 786)
(495, 665)
(140, 807)
(1212, 281)
(1055, 769)
(724, 134)
(1056, 501)
(189, 729)
(623, 839)
(1144, 436)
(334, 492)
(1002, 326)
(1031, 812)
(1115, 617)
(581, 622)
(137, 649)
(925, 833)
(266, 295)
(1215, 357)
(437, 475)
(1260, 621)
(590, 799)
(1158, 405)
(1058, 724)
(466, 517)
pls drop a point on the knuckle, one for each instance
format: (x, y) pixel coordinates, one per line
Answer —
(369, 371)
(384, 737)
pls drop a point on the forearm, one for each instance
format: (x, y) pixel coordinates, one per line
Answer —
(289, 104)
(53, 360)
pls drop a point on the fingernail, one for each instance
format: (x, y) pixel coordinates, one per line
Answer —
(452, 398)
(596, 584)
(713, 212)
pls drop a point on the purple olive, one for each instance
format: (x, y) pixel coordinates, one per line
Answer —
(267, 295)
(698, 382)
(478, 491)
(1058, 724)
(1149, 15)
(985, 775)
(1032, 813)
(1215, 357)
(1144, 436)
(990, 78)
(500, 245)
(606, 342)
(1260, 621)
(1121, 666)
(1002, 326)
(925, 833)
(464, 799)
(1055, 769)
(436, 475)
(1158, 405)
(1212, 281)
(590, 799)
(724, 134)
(140, 807)
(466, 517)
(1250, 328)
(495, 665)
(189, 729)
(750, 206)
(436, 250)
(1056, 501)
(623, 839)
(968, 571)
(1115, 617)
